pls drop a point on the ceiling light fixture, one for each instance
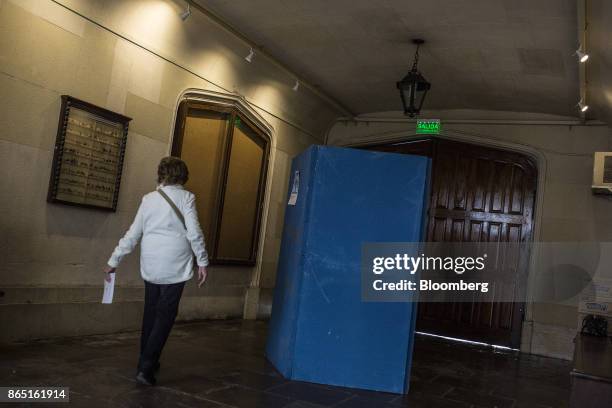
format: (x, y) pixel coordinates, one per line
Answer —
(296, 86)
(249, 58)
(582, 56)
(185, 14)
(583, 106)
(413, 87)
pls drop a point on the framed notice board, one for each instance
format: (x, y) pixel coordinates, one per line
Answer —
(88, 156)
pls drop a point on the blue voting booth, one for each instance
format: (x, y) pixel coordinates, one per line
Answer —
(321, 331)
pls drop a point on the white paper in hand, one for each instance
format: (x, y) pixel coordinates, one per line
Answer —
(109, 288)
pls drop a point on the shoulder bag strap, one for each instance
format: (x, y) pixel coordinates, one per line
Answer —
(174, 207)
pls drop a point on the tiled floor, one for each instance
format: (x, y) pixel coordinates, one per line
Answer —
(221, 364)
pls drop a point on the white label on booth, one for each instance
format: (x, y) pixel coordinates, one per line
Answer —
(294, 188)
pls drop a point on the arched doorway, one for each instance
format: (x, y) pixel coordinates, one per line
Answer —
(478, 194)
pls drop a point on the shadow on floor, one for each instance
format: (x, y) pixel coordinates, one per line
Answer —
(221, 364)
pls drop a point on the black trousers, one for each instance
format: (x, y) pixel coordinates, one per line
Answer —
(161, 307)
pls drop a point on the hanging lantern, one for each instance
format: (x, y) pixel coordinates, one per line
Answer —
(414, 86)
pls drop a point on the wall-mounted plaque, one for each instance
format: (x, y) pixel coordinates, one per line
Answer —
(88, 157)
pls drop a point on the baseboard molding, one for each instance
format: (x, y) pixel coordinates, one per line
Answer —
(31, 313)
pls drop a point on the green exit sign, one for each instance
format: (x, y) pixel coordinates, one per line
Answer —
(428, 126)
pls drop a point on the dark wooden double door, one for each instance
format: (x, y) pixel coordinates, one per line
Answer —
(478, 194)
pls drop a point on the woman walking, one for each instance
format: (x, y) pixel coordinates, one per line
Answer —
(172, 245)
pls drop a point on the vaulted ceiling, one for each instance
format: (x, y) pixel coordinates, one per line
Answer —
(512, 55)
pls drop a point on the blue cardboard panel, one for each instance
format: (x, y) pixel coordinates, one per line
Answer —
(283, 324)
(320, 330)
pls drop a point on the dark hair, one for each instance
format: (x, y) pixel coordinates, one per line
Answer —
(172, 170)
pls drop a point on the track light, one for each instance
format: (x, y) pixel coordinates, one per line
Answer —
(583, 106)
(582, 56)
(185, 14)
(296, 86)
(249, 58)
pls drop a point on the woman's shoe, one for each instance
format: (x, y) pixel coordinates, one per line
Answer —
(155, 368)
(144, 379)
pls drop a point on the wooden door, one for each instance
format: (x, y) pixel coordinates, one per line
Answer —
(478, 194)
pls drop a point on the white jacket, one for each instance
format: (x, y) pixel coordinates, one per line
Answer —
(166, 250)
